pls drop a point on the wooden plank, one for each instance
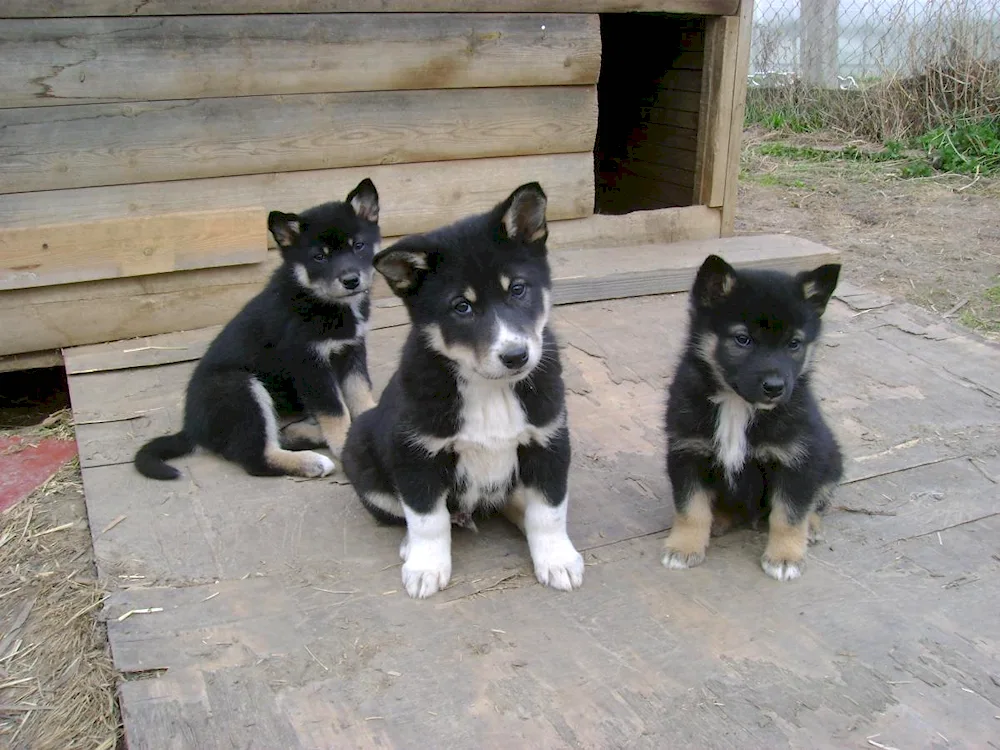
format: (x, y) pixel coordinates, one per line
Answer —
(98, 311)
(114, 248)
(742, 64)
(682, 101)
(673, 117)
(662, 142)
(78, 61)
(46, 148)
(74, 8)
(682, 80)
(30, 360)
(414, 197)
(714, 113)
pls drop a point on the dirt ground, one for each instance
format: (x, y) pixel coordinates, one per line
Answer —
(932, 241)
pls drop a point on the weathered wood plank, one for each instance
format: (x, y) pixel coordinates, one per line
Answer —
(414, 197)
(30, 360)
(77, 61)
(739, 95)
(46, 148)
(716, 115)
(74, 8)
(636, 228)
(114, 248)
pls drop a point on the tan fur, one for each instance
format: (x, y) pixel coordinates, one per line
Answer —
(815, 522)
(470, 294)
(334, 431)
(504, 282)
(296, 463)
(688, 539)
(786, 543)
(305, 431)
(357, 394)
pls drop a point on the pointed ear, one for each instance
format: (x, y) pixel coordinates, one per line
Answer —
(523, 214)
(403, 269)
(284, 227)
(715, 281)
(818, 285)
(364, 200)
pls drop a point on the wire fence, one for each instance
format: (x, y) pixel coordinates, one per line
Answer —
(843, 43)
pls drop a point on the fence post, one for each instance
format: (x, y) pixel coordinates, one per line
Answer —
(819, 38)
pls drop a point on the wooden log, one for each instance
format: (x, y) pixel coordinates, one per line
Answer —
(67, 253)
(46, 148)
(414, 197)
(73, 8)
(92, 312)
(77, 61)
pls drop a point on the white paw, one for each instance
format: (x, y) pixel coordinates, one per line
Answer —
(558, 564)
(424, 577)
(316, 464)
(404, 548)
(677, 560)
(782, 570)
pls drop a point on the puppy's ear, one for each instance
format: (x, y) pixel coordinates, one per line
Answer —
(364, 200)
(523, 215)
(818, 285)
(403, 269)
(716, 280)
(284, 227)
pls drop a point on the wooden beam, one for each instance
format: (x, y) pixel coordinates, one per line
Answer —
(95, 311)
(716, 115)
(30, 360)
(737, 120)
(78, 61)
(67, 253)
(414, 197)
(81, 145)
(73, 8)
(584, 275)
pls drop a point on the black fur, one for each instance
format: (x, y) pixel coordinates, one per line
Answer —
(318, 294)
(751, 335)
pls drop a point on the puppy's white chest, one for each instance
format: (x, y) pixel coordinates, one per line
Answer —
(731, 424)
(493, 423)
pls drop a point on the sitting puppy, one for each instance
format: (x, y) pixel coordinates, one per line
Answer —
(297, 346)
(475, 416)
(744, 433)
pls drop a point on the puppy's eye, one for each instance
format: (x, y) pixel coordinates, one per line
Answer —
(320, 256)
(518, 289)
(794, 345)
(359, 246)
(461, 306)
(742, 339)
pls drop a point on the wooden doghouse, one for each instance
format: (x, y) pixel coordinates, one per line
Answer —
(141, 144)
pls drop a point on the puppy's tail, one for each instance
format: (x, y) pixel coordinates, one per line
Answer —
(152, 457)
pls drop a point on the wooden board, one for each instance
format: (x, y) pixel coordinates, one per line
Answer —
(30, 360)
(77, 61)
(286, 606)
(737, 118)
(60, 8)
(46, 148)
(66, 253)
(414, 197)
(716, 111)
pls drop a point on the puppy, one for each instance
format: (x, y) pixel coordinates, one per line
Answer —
(297, 347)
(745, 435)
(475, 417)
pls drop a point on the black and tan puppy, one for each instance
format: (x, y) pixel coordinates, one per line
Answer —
(745, 435)
(298, 347)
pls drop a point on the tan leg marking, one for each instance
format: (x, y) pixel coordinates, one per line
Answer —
(298, 463)
(357, 394)
(303, 432)
(784, 557)
(513, 510)
(334, 431)
(815, 527)
(688, 540)
(722, 522)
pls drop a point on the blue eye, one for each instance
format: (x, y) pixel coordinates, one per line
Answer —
(461, 306)
(794, 345)
(518, 288)
(742, 339)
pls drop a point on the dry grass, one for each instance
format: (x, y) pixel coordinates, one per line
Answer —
(57, 684)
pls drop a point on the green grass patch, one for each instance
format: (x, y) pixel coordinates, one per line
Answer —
(965, 147)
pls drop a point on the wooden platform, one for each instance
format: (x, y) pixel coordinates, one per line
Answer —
(275, 617)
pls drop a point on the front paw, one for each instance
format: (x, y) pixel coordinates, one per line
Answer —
(682, 550)
(558, 564)
(425, 570)
(782, 569)
(315, 464)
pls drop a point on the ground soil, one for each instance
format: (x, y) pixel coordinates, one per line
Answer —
(932, 241)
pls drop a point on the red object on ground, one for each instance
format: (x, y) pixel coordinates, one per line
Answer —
(26, 465)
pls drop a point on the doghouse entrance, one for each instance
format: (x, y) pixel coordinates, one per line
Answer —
(649, 96)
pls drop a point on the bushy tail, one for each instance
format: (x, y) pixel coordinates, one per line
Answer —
(151, 458)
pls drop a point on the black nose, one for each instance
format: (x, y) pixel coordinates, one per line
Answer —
(773, 386)
(350, 280)
(514, 357)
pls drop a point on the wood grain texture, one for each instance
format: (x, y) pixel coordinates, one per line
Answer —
(742, 64)
(46, 148)
(97, 311)
(414, 197)
(77, 61)
(67, 253)
(30, 360)
(722, 38)
(73, 8)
